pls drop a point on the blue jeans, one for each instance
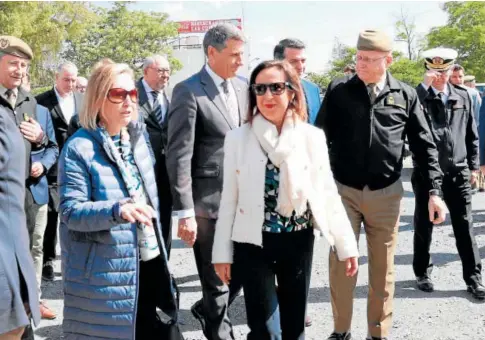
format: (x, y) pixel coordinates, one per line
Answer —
(286, 257)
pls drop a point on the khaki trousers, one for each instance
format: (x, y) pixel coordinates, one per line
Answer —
(16, 334)
(379, 211)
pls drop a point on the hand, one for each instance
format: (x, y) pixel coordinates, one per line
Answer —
(438, 207)
(37, 169)
(187, 230)
(429, 77)
(351, 266)
(223, 270)
(475, 175)
(32, 131)
(138, 212)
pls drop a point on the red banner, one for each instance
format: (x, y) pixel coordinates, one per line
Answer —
(201, 26)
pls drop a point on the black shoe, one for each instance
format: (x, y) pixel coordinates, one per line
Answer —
(198, 313)
(477, 290)
(48, 271)
(340, 336)
(425, 284)
(376, 338)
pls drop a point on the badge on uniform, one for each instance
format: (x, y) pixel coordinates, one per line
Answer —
(26, 117)
(390, 101)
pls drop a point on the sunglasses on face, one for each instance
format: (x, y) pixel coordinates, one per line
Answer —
(275, 88)
(118, 96)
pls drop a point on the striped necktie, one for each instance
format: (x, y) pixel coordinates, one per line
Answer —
(157, 107)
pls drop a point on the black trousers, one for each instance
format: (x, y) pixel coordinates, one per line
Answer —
(31, 209)
(216, 296)
(271, 314)
(149, 297)
(456, 190)
(50, 234)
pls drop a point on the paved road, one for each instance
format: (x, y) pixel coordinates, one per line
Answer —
(448, 313)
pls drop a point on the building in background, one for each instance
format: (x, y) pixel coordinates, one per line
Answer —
(189, 50)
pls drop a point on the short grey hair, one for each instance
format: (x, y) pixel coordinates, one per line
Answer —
(149, 61)
(66, 65)
(279, 50)
(218, 36)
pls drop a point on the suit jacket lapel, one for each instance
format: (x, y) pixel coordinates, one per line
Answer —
(57, 107)
(214, 96)
(144, 103)
(240, 94)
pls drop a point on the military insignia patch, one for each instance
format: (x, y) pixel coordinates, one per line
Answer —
(390, 100)
(438, 61)
(4, 43)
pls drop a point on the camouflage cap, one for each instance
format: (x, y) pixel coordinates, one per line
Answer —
(15, 46)
(371, 40)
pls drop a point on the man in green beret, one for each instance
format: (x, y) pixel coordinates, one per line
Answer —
(366, 118)
(20, 106)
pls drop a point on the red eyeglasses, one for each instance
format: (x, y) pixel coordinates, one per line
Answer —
(118, 95)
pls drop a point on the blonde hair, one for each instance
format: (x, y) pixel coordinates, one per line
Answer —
(99, 83)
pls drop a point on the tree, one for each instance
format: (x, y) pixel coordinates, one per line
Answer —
(124, 35)
(464, 32)
(406, 31)
(406, 70)
(45, 26)
(322, 80)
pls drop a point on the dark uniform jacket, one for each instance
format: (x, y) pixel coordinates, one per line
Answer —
(26, 106)
(366, 141)
(453, 127)
(50, 101)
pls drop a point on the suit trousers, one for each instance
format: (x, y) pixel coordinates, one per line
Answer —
(276, 314)
(216, 296)
(457, 195)
(30, 214)
(379, 211)
(38, 241)
(50, 235)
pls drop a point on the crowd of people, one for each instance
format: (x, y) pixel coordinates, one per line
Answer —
(251, 170)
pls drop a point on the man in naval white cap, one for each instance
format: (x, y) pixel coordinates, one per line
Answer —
(449, 112)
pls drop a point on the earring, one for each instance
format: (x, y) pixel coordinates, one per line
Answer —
(255, 110)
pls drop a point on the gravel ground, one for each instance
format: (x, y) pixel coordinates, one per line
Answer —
(448, 313)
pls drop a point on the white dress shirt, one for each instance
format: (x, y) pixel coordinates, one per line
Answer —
(67, 104)
(160, 98)
(445, 92)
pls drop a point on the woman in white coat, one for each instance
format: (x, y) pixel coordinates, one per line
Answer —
(278, 193)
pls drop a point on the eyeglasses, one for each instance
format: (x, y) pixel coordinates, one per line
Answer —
(118, 95)
(275, 88)
(161, 70)
(368, 60)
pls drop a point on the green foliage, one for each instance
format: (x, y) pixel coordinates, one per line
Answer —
(409, 71)
(464, 32)
(124, 36)
(45, 26)
(322, 80)
(39, 90)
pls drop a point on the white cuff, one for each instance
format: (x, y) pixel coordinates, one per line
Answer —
(184, 213)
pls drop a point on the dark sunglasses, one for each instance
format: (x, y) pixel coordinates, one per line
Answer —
(274, 88)
(118, 96)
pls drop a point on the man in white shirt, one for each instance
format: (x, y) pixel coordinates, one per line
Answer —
(63, 102)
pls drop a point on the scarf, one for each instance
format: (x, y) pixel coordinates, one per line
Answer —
(147, 240)
(285, 152)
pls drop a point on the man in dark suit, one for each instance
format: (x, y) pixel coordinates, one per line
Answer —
(204, 108)
(153, 107)
(293, 51)
(63, 103)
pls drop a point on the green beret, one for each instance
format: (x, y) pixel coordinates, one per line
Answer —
(469, 78)
(370, 40)
(15, 46)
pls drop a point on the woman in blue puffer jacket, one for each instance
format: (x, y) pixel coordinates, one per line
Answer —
(114, 262)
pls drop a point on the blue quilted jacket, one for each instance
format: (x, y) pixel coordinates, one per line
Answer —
(99, 250)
